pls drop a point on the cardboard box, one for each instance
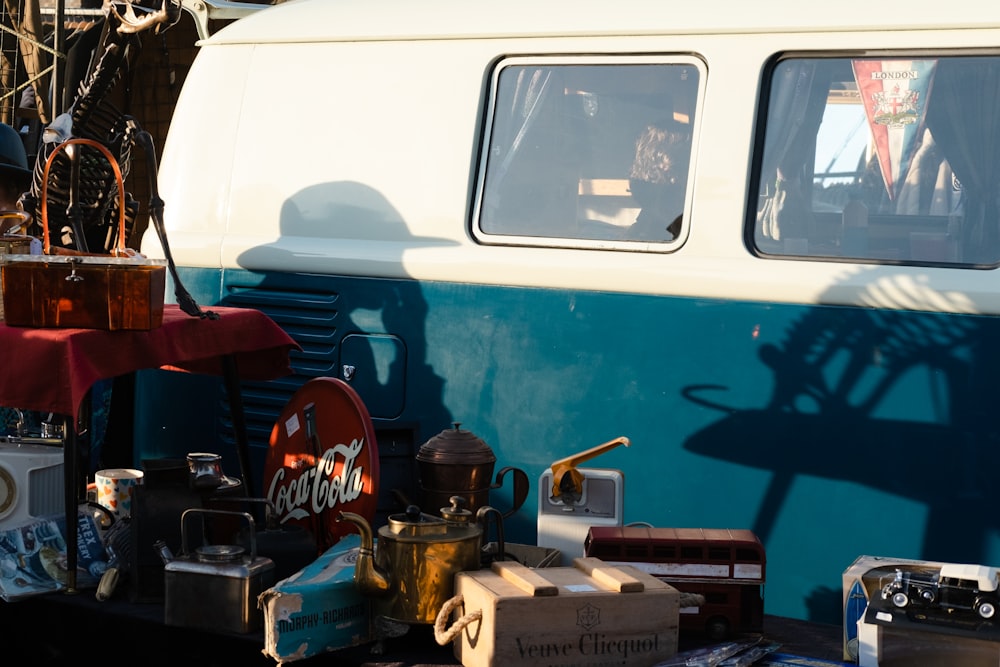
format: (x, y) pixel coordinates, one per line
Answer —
(33, 556)
(899, 646)
(588, 615)
(860, 583)
(877, 634)
(318, 609)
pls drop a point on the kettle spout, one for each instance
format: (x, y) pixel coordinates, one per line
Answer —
(166, 555)
(367, 577)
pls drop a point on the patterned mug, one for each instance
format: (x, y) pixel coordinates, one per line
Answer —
(115, 487)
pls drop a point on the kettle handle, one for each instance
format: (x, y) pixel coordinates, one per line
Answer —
(521, 486)
(242, 515)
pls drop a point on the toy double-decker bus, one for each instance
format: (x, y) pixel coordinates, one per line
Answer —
(726, 566)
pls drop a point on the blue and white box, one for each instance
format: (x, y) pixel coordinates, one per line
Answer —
(318, 609)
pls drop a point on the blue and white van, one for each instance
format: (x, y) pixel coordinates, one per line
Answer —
(760, 240)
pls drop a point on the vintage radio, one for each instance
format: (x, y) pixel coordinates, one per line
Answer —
(31, 482)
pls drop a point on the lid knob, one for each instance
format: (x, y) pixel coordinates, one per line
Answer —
(413, 514)
(455, 513)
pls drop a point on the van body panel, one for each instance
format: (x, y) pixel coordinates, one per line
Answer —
(325, 200)
(355, 20)
(209, 112)
(336, 186)
(724, 432)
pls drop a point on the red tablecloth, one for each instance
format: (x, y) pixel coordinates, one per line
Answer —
(50, 370)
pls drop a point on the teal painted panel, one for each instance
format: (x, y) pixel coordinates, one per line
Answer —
(831, 432)
(369, 364)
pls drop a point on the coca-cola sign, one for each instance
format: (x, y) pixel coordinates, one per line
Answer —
(322, 460)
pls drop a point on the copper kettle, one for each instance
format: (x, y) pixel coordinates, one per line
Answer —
(457, 462)
(411, 573)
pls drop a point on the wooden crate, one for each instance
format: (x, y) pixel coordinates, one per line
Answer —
(588, 615)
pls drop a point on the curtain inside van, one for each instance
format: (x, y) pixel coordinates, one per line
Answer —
(531, 87)
(798, 98)
(963, 118)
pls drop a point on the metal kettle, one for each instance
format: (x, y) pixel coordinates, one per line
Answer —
(457, 462)
(411, 573)
(215, 586)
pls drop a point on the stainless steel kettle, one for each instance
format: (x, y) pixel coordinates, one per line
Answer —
(216, 586)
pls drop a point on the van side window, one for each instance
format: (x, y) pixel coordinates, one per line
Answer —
(881, 159)
(588, 155)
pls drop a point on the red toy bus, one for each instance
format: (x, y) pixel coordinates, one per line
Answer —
(726, 566)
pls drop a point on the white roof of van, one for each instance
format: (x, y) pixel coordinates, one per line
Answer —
(985, 576)
(365, 20)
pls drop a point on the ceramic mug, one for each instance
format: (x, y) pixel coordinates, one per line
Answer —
(115, 487)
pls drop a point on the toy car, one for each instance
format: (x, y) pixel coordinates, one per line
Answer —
(953, 588)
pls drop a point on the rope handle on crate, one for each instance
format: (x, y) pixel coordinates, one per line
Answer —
(119, 249)
(442, 636)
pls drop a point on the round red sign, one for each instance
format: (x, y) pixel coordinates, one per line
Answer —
(322, 460)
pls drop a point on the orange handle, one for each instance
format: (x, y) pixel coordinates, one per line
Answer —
(568, 464)
(119, 249)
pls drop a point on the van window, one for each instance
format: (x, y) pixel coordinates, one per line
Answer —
(881, 159)
(588, 154)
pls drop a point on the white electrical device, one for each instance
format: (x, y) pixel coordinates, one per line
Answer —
(564, 525)
(31, 483)
(571, 500)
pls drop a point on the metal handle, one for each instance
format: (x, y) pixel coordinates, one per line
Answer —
(567, 466)
(73, 276)
(521, 487)
(119, 249)
(196, 510)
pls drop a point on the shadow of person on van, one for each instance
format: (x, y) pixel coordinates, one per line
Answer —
(658, 181)
(336, 270)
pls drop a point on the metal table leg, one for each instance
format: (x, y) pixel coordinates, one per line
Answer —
(232, 377)
(69, 489)
(74, 487)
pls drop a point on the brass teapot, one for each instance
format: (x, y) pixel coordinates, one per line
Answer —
(411, 573)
